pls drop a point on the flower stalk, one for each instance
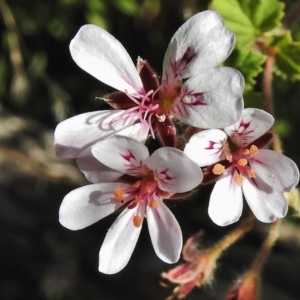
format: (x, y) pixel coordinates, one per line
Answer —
(248, 287)
(200, 265)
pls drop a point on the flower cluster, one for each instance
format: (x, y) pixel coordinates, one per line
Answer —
(109, 146)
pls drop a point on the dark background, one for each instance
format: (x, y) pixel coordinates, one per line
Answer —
(40, 259)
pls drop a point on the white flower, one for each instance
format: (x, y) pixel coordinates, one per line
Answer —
(192, 88)
(149, 180)
(238, 162)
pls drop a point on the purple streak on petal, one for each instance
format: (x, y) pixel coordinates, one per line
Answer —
(181, 64)
(128, 156)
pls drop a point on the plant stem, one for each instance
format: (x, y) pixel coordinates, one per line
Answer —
(268, 94)
(232, 237)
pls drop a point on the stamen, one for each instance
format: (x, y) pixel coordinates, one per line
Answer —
(253, 150)
(238, 179)
(228, 156)
(160, 118)
(137, 221)
(242, 162)
(138, 199)
(251, 173)
(218, 169)
(153, 204)
(118, 194)
(137, 184)
(246, 151)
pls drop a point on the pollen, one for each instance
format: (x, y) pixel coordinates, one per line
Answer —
(118, 194)
(161, 118)
(238, 179)
(246, 151)
(253, 150)
(218, 169)
(138, 199)
(137, 221)
(242, 162)
(229, 156)
(153, 204)
(251, 173)
(137, 184)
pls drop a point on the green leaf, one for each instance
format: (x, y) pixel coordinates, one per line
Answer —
(236, 20)
(253, 99)
(128, 7)
(249, 18)
(248, 62)
(287, 59)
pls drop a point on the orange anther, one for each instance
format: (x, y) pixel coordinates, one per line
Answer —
(246, 151)
(242, 162)
(137, 184)
(253, 150)
(218, 169)
(228, 156)
(118, 194)
(137, 221)
(251, 173)
(138, 199)
(238, 179)
(153, 204)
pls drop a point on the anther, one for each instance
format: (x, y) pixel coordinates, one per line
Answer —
(137, 184)
(160, 118)
(238, 179)
(229, 156)
(118, 194)
(251, 173)
(137, 221)
(218, 169)
(246, 151)
(153, 204)
(253, 150)
(242, 162)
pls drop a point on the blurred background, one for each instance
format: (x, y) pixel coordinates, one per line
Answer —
(40, 86)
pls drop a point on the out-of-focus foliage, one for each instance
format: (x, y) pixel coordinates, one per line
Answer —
(248, 62)
(40, 85)
(248, 19)
(258, 26)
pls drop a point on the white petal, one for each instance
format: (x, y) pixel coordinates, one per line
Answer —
(73, 135)
(120, 241)
(101, 55)
(266, 203)
(253, 124)
(213, 99)
(276, 170)
(93, 170)
(165, 233)
(226, 200)
(137, 131)
(204, 36)
(89, 204)
(206, 147)
(176, 173)
(123, 154)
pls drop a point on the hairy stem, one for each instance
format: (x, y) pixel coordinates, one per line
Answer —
(266, 248)
(232, 237)
(268, 94)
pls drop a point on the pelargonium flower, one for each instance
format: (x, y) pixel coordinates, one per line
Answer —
(192, 88)
(237, 160)
(149, 179)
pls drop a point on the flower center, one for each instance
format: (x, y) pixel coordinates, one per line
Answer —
(239, 159)
(142, 191)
